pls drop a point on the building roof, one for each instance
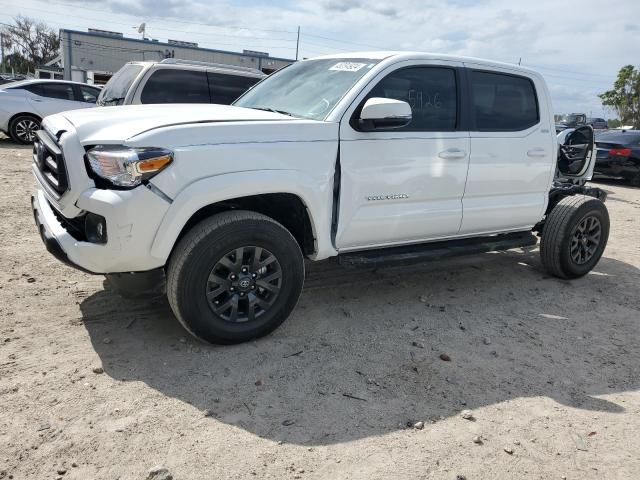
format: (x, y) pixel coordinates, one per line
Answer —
(168, 45)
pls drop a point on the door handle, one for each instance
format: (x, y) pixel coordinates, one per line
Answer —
(537, 152)
(452, 154)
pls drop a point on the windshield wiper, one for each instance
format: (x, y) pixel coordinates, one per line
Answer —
(269, 109)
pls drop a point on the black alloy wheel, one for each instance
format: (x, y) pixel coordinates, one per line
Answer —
(244, 284)
(23, 129)
(585, 239)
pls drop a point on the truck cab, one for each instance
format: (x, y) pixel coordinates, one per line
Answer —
(367, 157)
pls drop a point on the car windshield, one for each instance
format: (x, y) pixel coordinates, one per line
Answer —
(571, 118)
(307, 89)
(115, 91)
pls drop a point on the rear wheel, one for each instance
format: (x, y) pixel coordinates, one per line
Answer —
(574, 236)
(234, 277)
(23, 128)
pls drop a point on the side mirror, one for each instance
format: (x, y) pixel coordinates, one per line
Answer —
(574, 150)
(384, 114)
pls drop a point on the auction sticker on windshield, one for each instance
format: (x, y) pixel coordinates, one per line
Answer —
(347, 66)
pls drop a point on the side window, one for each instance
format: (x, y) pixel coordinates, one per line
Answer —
(176, 86)
(62, 91)
(87, 94)
(35, 88)
(430, 91)
(225, 89)
(503, 102)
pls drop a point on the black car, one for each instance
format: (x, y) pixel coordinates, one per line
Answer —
(618, 155)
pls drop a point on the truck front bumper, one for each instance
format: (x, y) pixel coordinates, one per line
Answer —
(49, 238)
(132, 218)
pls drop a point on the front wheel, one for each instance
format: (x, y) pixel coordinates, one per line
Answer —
(574, 237)
(23, 128)
(234, 277)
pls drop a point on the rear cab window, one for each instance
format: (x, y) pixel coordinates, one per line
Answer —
(503, 102)
(168, 85)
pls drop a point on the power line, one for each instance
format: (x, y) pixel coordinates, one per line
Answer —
(172, 20)
(609, 77)
(343, 42)
(164, 29)
(250, 42)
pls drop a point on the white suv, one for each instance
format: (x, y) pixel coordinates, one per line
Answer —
(371, 158)
(178, 81)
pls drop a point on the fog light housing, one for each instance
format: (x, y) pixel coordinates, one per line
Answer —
(95, 228)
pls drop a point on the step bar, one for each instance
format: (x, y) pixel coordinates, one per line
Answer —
(427, 252)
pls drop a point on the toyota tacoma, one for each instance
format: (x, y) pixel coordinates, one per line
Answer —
(369, 157)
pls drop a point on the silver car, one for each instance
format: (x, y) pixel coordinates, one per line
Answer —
(24, 104)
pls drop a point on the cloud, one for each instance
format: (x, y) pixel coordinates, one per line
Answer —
(574, 42)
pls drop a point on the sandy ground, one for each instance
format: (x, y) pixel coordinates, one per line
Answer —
(549, 368)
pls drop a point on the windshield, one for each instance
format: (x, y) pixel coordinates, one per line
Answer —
(115, 91)
(571, 118)
(307, 89)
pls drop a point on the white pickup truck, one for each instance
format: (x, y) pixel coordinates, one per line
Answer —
(370, 157)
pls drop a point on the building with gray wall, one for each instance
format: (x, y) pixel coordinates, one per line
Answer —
(95, 55)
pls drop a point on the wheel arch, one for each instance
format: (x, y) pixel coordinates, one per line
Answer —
(29, 114)
(288, 209)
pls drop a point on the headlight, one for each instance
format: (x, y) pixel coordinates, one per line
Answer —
(127, 167)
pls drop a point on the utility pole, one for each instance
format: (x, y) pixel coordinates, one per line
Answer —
(298, 43)
(2, 51)
(519, 60)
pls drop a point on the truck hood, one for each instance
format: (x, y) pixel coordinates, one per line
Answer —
(118, 124)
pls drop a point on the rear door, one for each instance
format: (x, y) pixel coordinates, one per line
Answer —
(576, 154)
(54, 98)
(513, 152)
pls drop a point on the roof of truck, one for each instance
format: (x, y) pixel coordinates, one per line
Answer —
(409, 55)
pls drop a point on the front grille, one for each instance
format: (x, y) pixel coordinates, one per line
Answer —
(73, 226)
(48, 157)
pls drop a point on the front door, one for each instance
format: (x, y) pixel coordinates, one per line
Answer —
(404, 185)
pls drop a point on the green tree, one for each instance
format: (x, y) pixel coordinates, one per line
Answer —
(613, 123)
(28, 44)
(624, 98)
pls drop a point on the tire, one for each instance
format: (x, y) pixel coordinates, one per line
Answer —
(635, 180)
(574, 237)
(23, 127)
(201, 270)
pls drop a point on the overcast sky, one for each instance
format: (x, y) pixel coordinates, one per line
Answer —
(579, 45)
